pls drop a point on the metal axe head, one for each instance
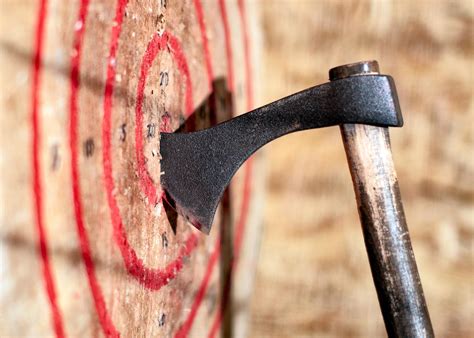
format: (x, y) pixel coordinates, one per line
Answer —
(198, 166)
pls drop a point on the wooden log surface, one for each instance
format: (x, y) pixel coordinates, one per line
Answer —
(87, 247)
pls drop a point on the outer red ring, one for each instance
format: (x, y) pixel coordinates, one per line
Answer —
(37, 183)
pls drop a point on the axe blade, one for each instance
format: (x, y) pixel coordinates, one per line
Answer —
(198, 166)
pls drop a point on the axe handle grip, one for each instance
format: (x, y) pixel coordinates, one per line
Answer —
(385, 231)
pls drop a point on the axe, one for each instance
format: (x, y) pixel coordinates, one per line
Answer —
(198, 166)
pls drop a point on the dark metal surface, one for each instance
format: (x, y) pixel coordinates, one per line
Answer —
(198, 166)
(384, 226)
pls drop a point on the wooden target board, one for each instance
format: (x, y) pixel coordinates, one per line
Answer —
(87, 247)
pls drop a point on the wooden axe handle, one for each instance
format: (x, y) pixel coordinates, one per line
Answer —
(383, 222)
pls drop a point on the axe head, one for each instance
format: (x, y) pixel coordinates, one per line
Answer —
(198, 166)
(192, 178)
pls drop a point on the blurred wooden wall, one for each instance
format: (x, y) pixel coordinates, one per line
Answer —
(313, 276)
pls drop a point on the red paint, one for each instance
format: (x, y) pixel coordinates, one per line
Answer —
(37, 183)
(104, 318)
(205, 42)
(228, 46)
(156, 45)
